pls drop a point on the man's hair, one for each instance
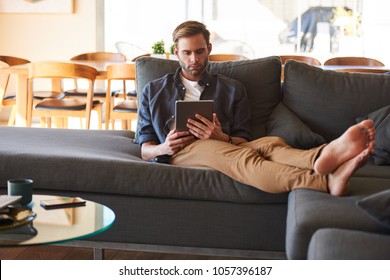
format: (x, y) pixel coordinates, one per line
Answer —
(190, 28)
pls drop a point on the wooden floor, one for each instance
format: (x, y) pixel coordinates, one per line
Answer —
(76, 253)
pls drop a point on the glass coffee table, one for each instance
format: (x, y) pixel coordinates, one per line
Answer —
(34, 225)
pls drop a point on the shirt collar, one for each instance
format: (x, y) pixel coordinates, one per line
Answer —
(204, 82)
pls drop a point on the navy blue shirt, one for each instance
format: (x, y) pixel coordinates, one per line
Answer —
(157, 105)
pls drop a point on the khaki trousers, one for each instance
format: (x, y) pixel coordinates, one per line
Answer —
(267, 163)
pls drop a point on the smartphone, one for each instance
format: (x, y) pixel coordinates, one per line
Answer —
(63, 202)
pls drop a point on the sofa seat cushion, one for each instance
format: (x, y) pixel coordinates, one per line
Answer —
(109, 162)
(342, 244)
(377, 206)
(260, 77)
(328, 101)
(309, 211)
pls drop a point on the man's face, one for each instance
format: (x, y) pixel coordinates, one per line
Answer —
(193, 53)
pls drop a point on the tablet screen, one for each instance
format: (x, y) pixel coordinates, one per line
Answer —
(187, 109)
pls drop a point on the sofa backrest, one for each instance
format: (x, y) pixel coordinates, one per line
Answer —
(261, 78)
(329, 101)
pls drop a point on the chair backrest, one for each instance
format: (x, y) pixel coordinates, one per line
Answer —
(13, 60)
(6, 61)
(121, 71)
(226, 57)
(306, 59)
(3, 82)
(353, 60)
(141, 55)
(61, 70)
(130, 50)
(3, 64)
(363, 70)
(101, 56)
(124, 72)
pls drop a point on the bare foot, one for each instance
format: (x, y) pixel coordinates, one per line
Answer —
(338, 180)
(353, 141)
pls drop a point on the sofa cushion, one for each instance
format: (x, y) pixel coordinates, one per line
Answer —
(261, 78)
(342, 244)
(309, 211)
(381, 119)
(108, 162)
(329, 102)
(377, 206)
(287, 125)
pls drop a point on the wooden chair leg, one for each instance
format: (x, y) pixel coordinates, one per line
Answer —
(129, 124)
(124, 124)
(12, 116)
(100, 118)
(43, 121)
(65, 122)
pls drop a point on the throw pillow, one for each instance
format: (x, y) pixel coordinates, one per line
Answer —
(329, 101)
(287, 125)
(377, 206)
(381, 119)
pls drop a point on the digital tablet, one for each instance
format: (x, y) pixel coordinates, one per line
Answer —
(187, 109)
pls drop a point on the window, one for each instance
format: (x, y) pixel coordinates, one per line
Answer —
(256, 28)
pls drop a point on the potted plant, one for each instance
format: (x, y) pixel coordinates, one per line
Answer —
(172, 50)
(159, 48)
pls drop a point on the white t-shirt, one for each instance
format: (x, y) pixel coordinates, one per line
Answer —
(193, 89)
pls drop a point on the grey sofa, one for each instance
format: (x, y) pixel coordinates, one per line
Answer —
(168, 208)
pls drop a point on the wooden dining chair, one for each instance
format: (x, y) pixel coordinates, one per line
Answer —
(301, 58)
(364, 70)
(226, 57)
(139, 56)
(95, 56)
(354, 60)
(99, 92)
(10, 98)
(131, 51)
(306, 59)
(3, 84)
(126, 109)
(61, 108)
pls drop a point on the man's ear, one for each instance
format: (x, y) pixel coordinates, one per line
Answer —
(175, 51)
(209, 47)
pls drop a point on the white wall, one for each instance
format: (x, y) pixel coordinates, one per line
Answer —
(52, 36)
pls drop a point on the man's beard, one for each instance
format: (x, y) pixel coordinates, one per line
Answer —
(194, 72)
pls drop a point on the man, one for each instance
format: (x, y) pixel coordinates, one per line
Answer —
(224, 144)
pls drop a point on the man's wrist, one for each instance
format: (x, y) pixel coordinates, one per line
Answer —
(230, 140)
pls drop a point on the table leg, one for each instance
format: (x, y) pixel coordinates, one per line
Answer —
(97, 253)
(21, 100)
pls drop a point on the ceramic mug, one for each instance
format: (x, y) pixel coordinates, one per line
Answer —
(23, 187)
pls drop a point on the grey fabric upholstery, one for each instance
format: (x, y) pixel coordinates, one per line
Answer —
(284, 124)
(341, 244)
(109, 162)
(310, 210)
(329, 102)
(261, 78)
(160, 204)
(155, 204)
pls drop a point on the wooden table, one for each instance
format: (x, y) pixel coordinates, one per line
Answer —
(21, 72)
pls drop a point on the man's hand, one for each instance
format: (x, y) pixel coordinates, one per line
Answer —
(205, 129)
(175, 141)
